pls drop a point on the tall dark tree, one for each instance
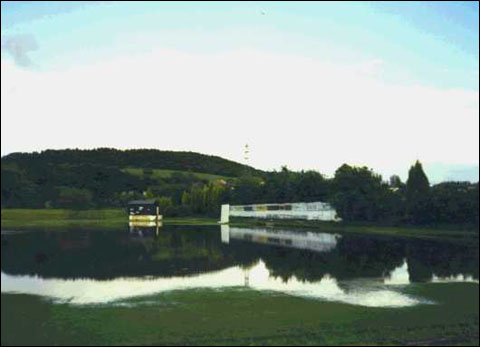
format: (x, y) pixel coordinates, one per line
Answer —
(311, 186)
(418, 195)
(359, 194)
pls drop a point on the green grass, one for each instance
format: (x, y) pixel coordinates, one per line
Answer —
(64, 218)
(48, 214)
(61, 218)
(161, 174)
(244, 317)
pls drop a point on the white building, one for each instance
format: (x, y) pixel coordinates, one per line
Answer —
(299, 210)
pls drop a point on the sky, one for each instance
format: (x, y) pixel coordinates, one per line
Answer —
(310, 85)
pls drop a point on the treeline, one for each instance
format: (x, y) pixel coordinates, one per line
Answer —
(88, 186)
(358, 194)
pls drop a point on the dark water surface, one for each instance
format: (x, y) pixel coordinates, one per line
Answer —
(99, 267)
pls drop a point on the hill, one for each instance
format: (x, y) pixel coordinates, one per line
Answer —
(134, 158)
(108, 177)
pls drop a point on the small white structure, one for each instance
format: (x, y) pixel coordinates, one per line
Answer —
(144, 211)
(298, 210)
(224, 215)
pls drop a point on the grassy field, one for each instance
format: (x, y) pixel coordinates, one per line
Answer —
(60, 218)
(199, 317)
(117, 218)
(161, 174)
(57, 214)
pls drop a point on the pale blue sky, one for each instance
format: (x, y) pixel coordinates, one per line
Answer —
(434, 43)
(429, 47)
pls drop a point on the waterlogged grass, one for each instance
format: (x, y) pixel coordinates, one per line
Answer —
(243, 317)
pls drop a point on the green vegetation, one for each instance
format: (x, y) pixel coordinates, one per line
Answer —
(197, 317)
(360, 195)
(160, 174)
(59, 214)
(193, 185)
(135, 158)
(60, 218)
(418, 194)
(205, 200)
(83, 219)
(106, 177)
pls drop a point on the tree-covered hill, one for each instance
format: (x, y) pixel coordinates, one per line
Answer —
(108, 177)
(134, 158)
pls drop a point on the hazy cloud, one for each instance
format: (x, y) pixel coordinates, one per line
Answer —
(291, 110)
(19, 46)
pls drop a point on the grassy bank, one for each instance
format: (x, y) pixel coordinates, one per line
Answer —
(197, 317)
(117, 218)
(60, 218)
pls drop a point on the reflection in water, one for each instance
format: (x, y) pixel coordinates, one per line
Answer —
(401, 276)
(85, 267)
(87, 291)
(143, 229)
(398, 276)
(312, 241)
(458, 278)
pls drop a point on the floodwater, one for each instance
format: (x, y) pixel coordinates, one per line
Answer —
(105, 267)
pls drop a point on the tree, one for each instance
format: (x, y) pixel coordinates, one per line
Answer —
(74, 197)
(311, 186)
(165, 204)
(279, 186)
(18, 190)
(418, 195)
(204, 199)
(247, 190)
(455, 202)
(359, 194)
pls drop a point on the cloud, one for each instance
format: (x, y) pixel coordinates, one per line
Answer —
(372, 67)
(291, 110)
(18, 46)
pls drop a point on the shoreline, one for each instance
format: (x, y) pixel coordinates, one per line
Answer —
(117, 218)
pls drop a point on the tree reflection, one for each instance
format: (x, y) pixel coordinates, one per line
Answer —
(179, 251)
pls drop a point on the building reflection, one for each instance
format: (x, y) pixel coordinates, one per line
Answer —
(312, 241)
(144, 229)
